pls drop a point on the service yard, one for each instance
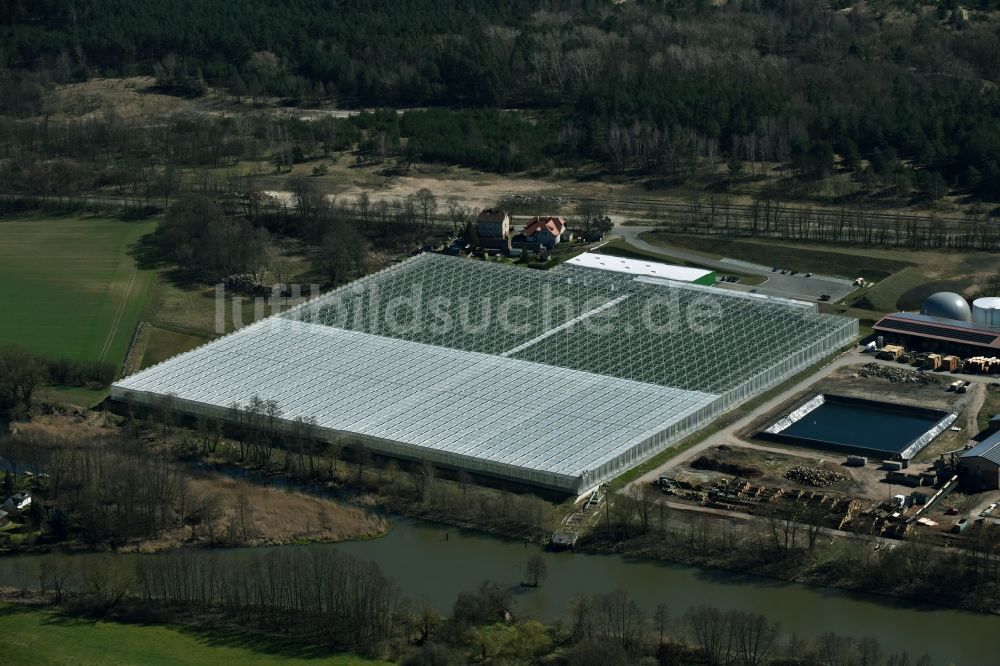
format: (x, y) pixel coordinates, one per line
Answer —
(735, 470)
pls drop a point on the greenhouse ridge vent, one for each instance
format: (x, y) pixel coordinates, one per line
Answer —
(561, 379)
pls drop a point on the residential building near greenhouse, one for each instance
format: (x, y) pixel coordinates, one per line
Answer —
(561, 379)
(493, 229)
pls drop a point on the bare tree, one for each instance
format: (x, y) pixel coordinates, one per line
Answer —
(535, 571)
(55, 573)
(755, 637)
(427, 203)
(105, 582)
(20, 373)
(619, 620)
(457, 214)
(661, 620)
(712, 633)
(284, 270)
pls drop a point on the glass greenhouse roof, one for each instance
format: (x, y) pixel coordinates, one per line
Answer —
(474, 295)
(651, 330)
(497, 409)
(739, 338)
(561, 378)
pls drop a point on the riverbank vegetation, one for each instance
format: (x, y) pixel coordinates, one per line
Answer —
(299, 602)
(203, 507)
(243, 507)
(797, 548)
(252, 441)
(99, 488)
(130, 483)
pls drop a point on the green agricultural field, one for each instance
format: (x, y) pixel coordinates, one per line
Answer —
(80, 396)
(161, 344)
(29, 636)
(70, 285)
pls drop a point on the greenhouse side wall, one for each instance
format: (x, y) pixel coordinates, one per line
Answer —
(554, 481)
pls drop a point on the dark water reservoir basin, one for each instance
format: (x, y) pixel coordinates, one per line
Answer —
(860, 426)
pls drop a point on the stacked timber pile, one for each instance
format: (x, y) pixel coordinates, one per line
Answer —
(814, 476)
(984, 365)
(852, 510)
(894, 375)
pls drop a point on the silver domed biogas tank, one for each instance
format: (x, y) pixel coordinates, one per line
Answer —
(947, 305)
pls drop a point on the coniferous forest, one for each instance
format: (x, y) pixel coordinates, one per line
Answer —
(634, 85)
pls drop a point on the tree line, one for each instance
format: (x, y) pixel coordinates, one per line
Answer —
(318, 594)
(766, 218)
(623, 84)
(792, 543)
(112, 491)
(201, 240)
(324, 597)
(253, 435)
(21, 372)
(115, 490)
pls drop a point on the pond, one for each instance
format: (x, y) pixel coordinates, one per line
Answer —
(865, 427)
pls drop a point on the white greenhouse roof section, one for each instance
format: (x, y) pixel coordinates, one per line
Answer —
(514, 416)
(606, 262)
(561, 378)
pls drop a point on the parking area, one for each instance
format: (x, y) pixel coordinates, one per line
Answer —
(804, 286)
(785, 285)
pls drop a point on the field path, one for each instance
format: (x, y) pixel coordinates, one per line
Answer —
(113, 330)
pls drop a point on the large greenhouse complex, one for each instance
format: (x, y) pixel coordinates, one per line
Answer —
(561, 378)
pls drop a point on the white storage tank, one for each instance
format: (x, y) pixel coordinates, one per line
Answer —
(986, 311)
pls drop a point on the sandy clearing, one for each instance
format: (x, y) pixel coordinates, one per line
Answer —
(474, 193)
(131, 98)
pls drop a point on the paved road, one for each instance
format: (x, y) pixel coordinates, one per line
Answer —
(785, 286)
(728, 434)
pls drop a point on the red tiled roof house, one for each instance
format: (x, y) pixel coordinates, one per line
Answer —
(545, 231)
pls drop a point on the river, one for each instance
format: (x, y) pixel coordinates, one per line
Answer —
(437, 562)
